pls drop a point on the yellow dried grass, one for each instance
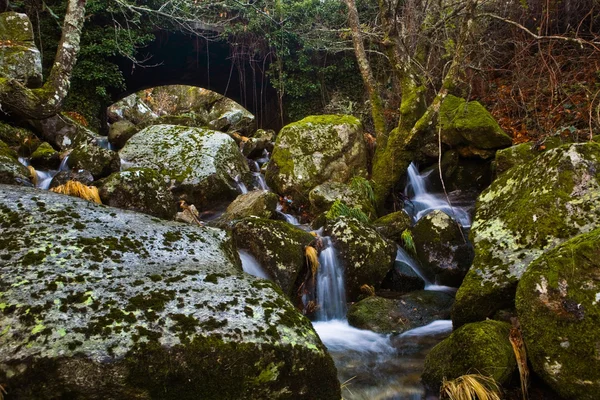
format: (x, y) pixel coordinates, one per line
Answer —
(516, 340)
(78, 189)
(34, 178)
(312, 260)
(470, 387)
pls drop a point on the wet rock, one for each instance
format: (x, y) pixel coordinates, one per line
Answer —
(442, 249)
(79, 175)
(278, 247)
(203, 164)
(21, 60)
(399, 315)
(90, 157)
(315, 150)
(120, 132)
(62, 132)
(139, 189)
(354, 195)
(481, 347)
(23, 141)
(103, 303)
(366, 255)
(402, 279)
(258, 203)
(527, 211)
(392, 225)
(557, 303)
(12, 171)
(45, 157)
(465, 122)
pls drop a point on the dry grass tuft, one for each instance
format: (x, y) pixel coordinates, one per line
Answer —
(369, 290)
(312, 259)
(78, 189)
(34, 179)
(516, 340)
(470, 387)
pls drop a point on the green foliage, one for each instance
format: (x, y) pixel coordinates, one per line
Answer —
(408, 243)
(363, 186)
(340, 209)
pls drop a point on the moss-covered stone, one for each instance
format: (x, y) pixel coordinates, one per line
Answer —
(120, 132)
(315, 150)
(90, 157)
(62, 132)
(354, 195)
(525, 152)
(45, 157)
(23, 141)
(557, 303)
(12, 172)
(97, 302)
(528, 210)
(442, 249)
(278, 247)
(258, 203)
(19, 58)
(400, 315)
(392, 225)
(469, 122)
(139, 189)
(203, 164)
(477, 348)
(366, 255)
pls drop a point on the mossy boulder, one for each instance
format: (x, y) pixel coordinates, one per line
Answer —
(120, 132)
(98, 302)
(80, 175)
(365, 254)
(315, 150)
(402, 279)
(23, 141)
(139, 189)
(278, 247)
(557, 303)
(19, 57)
(12, 172)
(399, 315)
(323, 196)
(62, 132)
(91, 157)
(392, 225)
(133, 109)
(476, 348)
(442, 249)
(463, 122)
(525, 152)
(527, 211)
(203, 164)
(257, 203)
(45, 157)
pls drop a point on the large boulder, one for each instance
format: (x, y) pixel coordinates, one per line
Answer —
(278, 247)
(442, 249)
(402, 278)
(93, 158)
(19, 57)
(524, 152)
(315, 150)
(23, 141)
(120, 132)
(469, 123)
(257, 203)
(355, 195)
(11, 170)
(399, 315)
(62, 132)
(45, 157)
(528, 210)
(557, 303)
(102, 303)
(139, 189)
(477, 348)
(203, 164)
(392, 225)
(366, 255)
(80, 175)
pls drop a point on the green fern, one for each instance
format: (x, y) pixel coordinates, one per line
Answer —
(364, 187)
(340, 209)
(408, 243)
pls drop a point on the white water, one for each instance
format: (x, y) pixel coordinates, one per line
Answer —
(338, 335)
(423, 202)
(289, 218)
(331, 291)
(403, 257)
(251, 266)
(260, 181)
(240, 185)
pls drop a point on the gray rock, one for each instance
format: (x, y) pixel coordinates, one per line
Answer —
(62, 132)
(120, 132)
(323, 196)
(91, 157)
(102, 303)
(45, 157)
(402, 279)
(203, 164)
(79, 175)
(392, 225)
(11, 170)
(19, 59)
(258, 203)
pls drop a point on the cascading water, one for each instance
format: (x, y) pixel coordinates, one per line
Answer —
(251, 266)
(331, 291)
(422, 202)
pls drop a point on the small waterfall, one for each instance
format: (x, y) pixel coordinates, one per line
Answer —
(289, 218)
(251, 266)
(63, 164)
(261, 183)
(44, 178)
(405, 258)
(331, 291)
(423, 202)
(240, 185)
(102, 141)
(24, 161)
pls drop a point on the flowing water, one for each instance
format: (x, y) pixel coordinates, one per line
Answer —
(251, 266)
(44, 177)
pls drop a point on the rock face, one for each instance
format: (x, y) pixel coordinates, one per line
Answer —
(400, 315)
(102, 303)
(183, 105)
(11, 170)
(91, 157)
(120, 132)
(258, 203)
(315, 150)
(278, 247)
(557, 303)
(203, 164)
(19, 57)
(21, 140)
(366, 255)
(392, 225)
(470, 123)
(528, 210)
(441, 249)
(62, 132)
(354, 196)
(481, 347)
(139, 189)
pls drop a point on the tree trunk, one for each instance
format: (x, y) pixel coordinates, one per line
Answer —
(365, 71)
(46, 101)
